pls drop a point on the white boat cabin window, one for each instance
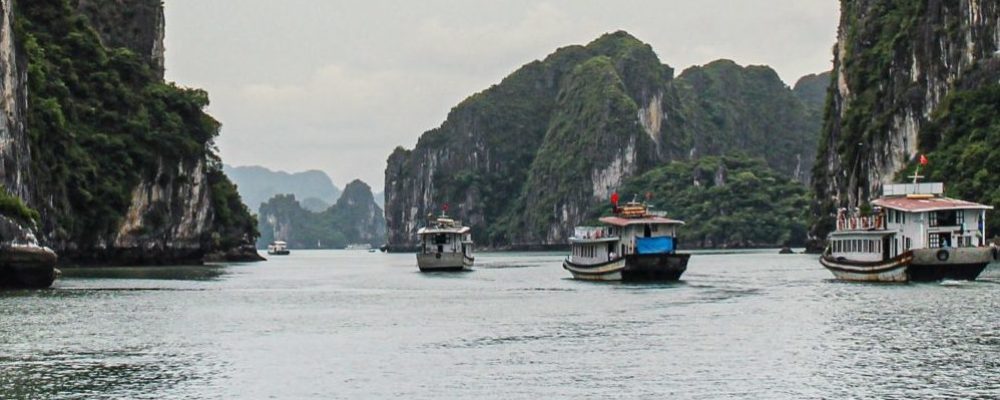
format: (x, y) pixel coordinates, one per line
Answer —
(946, 218)
(441, 238)
(857, 246)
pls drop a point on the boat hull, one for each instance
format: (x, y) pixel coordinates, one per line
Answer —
(278, 252)
(27, 267)
(609, 271)
(963, 263)
(442, 262)
(633, 268)
(921, 265)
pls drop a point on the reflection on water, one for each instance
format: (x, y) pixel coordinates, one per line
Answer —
(353, 324)
(180, 273)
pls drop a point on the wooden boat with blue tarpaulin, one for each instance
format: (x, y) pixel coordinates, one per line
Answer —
(633, 245)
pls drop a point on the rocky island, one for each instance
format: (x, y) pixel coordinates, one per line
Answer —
(102, 160)
(526, 160)
(910, 78)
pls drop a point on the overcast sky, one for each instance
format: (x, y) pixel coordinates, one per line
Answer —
(336, 85)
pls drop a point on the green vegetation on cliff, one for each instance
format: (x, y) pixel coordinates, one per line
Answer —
(910, 77)
(13, 207)
(962, 142)
(727, 201)
(524, 161)
(100, 121)
(726, 108)
(593, 127)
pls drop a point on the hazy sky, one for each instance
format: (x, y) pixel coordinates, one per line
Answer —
(336, 85)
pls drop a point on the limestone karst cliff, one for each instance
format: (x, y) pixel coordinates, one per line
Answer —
(525, 160)
(117, 163)
(896, 64)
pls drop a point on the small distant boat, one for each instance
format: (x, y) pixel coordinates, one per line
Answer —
(633, 245)
(445, 245)
(913, 233)
(278, 248)
(359, 246)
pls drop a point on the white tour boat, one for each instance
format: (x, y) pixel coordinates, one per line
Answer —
(278, 248)
(913, 233)
(445, 245)
(633, 245)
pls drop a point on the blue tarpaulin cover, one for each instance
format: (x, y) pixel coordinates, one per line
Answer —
(655, 245)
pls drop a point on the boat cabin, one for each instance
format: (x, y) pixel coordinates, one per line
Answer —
(633, 230)
(906, 217)
(445, 235)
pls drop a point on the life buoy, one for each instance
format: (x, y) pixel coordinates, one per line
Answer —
(438, 255)
(942, 255)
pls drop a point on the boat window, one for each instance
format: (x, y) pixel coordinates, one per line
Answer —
(959, 217)
(440, 239)
(935, 241)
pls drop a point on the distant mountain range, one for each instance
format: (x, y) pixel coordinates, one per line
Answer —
(257, 185)
(353, 219)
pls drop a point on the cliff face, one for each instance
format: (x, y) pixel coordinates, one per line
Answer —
(138, 25)
(354, 219)
(527, 159)
(15, 156)
(118, 164)
(895, 63)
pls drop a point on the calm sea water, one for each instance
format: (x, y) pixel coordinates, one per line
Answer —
(339, 324)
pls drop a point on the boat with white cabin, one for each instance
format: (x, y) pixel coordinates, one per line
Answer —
(278, 248)
(445, 245)
(635, 244)
(913, 233)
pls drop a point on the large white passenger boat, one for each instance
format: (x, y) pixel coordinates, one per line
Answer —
(445, 245)
(633, 245)
(913, 233)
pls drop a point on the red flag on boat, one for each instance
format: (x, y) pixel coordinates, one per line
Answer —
(614, 199)
(923, 160)
(444, 207)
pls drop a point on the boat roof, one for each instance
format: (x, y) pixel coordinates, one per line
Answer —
(650, 220)
(279, 242)
(434, 231)
(576, 240)
(861, 232)
(918, 204)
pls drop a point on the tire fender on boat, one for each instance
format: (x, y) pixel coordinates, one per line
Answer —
(438, 255)
(996, 254)
(942, 255)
